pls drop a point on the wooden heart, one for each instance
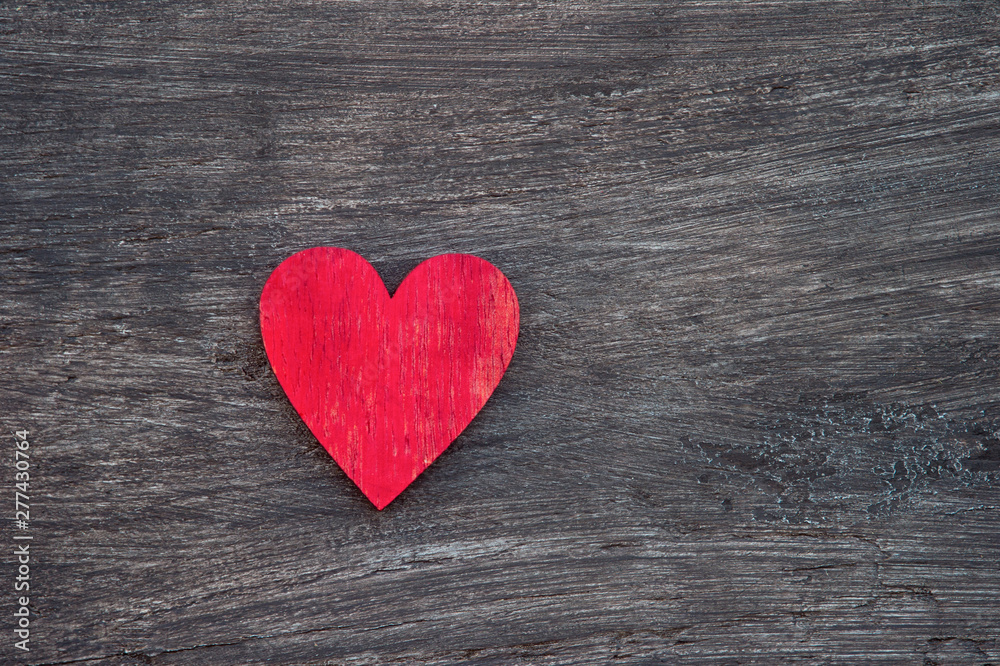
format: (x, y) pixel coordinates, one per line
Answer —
(385, 383)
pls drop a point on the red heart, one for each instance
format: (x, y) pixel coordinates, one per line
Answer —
(386, 384)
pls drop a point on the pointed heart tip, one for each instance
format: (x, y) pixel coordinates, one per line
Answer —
(379, 501)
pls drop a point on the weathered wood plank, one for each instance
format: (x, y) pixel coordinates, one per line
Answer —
(753, 413)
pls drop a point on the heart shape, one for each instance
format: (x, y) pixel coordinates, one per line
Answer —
(385, 383)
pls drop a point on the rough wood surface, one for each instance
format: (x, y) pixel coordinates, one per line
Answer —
(753, 414)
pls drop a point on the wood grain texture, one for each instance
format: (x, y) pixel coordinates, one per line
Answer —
(387, 383)
(753, 414)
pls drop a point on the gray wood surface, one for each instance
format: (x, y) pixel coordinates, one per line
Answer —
(753, 415)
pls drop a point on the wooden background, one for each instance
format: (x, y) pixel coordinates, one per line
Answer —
(753, 415)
